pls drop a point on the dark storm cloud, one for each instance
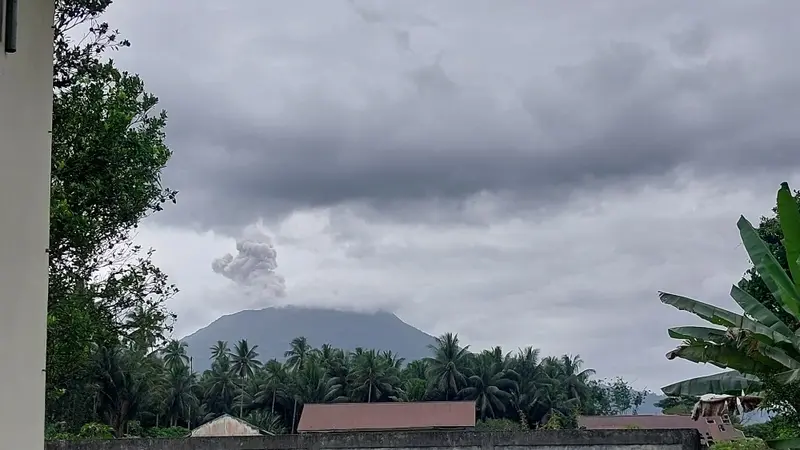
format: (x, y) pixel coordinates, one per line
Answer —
(714, 92)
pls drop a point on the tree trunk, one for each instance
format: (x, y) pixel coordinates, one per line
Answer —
(274, 394)
(241, 398)
(294, 416)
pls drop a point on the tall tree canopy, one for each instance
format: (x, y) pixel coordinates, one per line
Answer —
(107, 156)
(147, 392)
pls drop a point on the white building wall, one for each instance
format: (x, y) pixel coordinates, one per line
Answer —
(25, 118)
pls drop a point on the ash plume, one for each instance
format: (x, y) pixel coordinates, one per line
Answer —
(254, 265)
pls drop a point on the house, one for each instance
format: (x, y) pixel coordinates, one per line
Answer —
(227, 425)
(712, 429)
(395, 416)
(26, 102)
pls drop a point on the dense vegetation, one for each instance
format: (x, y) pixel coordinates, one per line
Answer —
(106, 312)
(133, 389)
(107, 156)
(760, 344)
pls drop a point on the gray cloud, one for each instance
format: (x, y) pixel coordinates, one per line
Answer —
(550, 165)
(336, 112)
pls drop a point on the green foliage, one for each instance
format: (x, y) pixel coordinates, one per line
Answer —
(166, 433)
(613, 397)
(782, 398)
(141, 393)
(741, 444)
(779, 427)
(769, 230)
(96, 431)
(107, 155)
(676, 405)
(497, 425)
(759, 345)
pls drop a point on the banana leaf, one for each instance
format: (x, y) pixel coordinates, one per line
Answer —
(702, 333)
(729, 382)
(725, 357)
(778, 282)
(789, 218)
(778, 355)
(723, 317)
(789, 376)
(759, 312)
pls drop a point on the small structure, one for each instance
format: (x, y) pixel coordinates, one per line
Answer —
(391, 416)
(713, 405)
(712, 429)
(227, 425)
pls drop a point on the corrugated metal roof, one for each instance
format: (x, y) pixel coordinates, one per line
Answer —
(227, 425)
(386, 416)
(711, 428)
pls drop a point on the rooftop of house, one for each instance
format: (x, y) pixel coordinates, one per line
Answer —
(334, 417)
(227, 425)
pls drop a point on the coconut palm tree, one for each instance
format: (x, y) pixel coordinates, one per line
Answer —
(300, 351)
(121, 378)
(448, 364)
(374, 378)
(491, 386)
(174, 354)
(220, 350)
(220, 387)
(244, 362)
(274, 385)
(179, 399)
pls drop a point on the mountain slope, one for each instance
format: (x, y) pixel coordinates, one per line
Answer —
(273, 328)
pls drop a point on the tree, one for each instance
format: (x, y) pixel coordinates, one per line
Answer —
(490, 386)
(180, 399)
(220, 350)
(140, 392)
(769, 230)
(676, 405)
(175, 354)
(612, 397)
(299, 353)
(757, 345)
(107, 155)
(120, 376)
(244, 362)
(446, 367)
(374, 377)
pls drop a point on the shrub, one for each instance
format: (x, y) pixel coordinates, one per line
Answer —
(741, 444)
(170, 432)
(498, 425)
(95, 430)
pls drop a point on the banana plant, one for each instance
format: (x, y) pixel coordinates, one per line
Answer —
(754, 341)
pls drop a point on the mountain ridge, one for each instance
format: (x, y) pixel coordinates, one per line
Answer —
(273, 328)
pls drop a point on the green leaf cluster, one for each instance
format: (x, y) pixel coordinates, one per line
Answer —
(757, 343)
(108, 152)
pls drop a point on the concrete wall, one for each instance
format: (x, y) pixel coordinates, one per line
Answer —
(540, 440)
(25, 121)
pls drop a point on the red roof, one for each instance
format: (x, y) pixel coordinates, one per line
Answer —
(386, 416)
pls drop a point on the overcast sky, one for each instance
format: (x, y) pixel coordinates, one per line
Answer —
(518, 172)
